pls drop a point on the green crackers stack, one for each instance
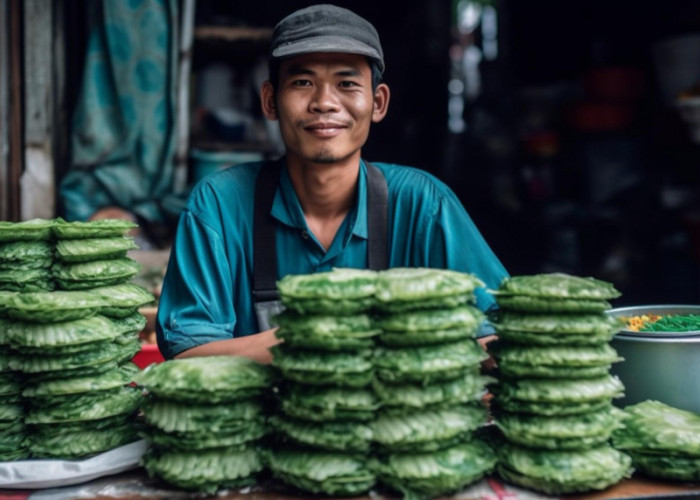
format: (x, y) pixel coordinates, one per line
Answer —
(663, 441)
(26, 255)
(72, 352)
(428, 382)
(326, 404)
(553, 402)
(205, 418)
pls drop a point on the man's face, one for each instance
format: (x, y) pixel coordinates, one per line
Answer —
(325, 105)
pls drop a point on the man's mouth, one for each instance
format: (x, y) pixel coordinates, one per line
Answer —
(325, 129)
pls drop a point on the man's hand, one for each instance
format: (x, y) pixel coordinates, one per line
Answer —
(255, 347)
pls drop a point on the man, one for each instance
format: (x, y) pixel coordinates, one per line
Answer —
(319, 207)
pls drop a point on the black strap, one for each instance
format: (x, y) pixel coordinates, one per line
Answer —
(377, 213)
(264, 249)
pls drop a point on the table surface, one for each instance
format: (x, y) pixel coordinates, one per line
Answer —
(136, 485)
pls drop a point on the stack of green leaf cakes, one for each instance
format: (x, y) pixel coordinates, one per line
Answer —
(663, 441)
(553, 402)
(74, 359)
(428, 382)
(26, 255)
(205, 418)
(326, 403)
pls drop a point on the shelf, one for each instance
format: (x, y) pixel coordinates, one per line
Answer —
(232, 34)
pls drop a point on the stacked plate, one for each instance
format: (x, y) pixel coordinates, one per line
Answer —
(553, 402)
(325, 402)
(663, 441)
(429, 383)
(26, 255)
(205, 419)
(74, 359)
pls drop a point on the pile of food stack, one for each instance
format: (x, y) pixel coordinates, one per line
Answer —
(553, 402)
(205, 418)
(663, 441)
(74, 359)
(326, 403)
(428, 382)
(26, 255)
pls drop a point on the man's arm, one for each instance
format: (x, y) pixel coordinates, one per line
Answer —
(255, 347)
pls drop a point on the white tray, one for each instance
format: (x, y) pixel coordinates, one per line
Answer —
(31, 474)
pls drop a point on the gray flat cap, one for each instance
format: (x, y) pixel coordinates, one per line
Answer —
(326, 28)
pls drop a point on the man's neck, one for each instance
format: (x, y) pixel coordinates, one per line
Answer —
(326, 192)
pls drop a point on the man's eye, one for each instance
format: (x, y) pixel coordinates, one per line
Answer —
(348, 84)
(301, 83)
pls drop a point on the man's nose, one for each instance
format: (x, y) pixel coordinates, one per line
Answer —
(324, 99)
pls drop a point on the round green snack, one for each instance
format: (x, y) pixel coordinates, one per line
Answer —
(559, 286)
(559, 391)
(246, 432)
(173, 416)
(404, 284)
(29, 230)
(428, 364)
(464, 318)
(560, 432)
(81, 443)
(349, 369)
(336, 284)
(103, 228)
(208, 470)
(562, 324)
(516, 370)
(600, 355)
(428, 475)
(96, 273)
(555, 339)
(652, 426)
(528, 304)
(89, 249)
(66, 333)
(210, 379)
(52, 307)
(347, 436)
(322, 472)
(76, 385)
(324, 332)
(466, 388)
(676, 467)
(92, 406)
(321, 404)
(559, 472)
(427, 429)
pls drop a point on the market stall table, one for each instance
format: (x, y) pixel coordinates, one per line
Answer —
(136, 485)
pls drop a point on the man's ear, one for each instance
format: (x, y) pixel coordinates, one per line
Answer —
(267, 101)
(381, 102)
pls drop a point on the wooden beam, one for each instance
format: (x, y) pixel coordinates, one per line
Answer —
(16, 122)
(38, 178)
(4, 106)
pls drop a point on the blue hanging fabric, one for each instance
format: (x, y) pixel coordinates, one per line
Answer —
(123, 129)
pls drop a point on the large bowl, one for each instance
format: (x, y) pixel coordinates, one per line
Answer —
(664, 366)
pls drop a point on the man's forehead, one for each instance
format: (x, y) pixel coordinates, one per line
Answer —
(315, 61)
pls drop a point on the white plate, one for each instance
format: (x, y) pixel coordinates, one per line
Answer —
(33, 474)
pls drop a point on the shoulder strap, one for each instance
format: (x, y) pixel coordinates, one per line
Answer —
(264, 249)
(377, 214)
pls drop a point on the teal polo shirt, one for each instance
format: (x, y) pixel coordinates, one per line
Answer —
(207, 290)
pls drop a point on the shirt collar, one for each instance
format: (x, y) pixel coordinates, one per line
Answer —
(287, 209)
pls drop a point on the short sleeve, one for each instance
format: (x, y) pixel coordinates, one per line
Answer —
(454, 242)
(193, 309)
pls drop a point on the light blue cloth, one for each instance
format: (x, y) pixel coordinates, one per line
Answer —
(122, 133)
(207, 292)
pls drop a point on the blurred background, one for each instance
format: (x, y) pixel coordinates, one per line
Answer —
(569, 130)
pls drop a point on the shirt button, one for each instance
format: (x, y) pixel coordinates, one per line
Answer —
(305, 234)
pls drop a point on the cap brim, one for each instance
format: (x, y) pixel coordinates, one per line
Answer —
(337, 44)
